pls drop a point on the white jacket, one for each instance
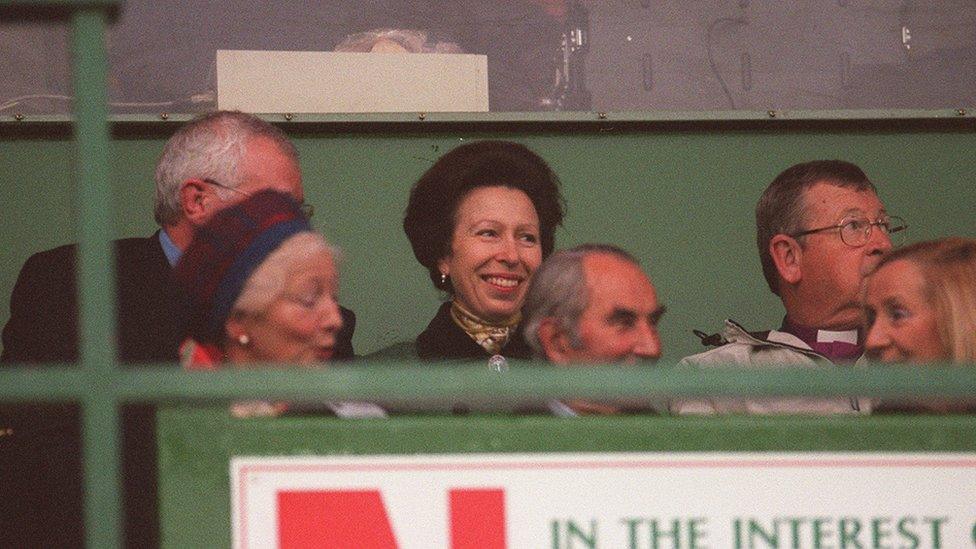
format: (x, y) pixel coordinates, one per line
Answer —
(778, 348)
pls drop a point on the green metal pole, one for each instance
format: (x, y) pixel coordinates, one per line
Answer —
(103, 496)
(96, 298)
(96, 287)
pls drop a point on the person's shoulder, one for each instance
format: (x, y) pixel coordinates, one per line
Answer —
(733, 345)
(67, 253)
(401, 350)
(52, 268)
(139, 249)
(137, 242)
(62, 259)
(43, 307)
(730, 352)
(60, 255)
(440, 338)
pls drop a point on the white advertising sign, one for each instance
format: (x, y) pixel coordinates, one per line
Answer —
(343, 82)
(631, 500)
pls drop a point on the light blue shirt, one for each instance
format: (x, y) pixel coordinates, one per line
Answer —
(172, 253)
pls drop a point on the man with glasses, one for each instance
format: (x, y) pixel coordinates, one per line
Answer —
(209, 164)
(820, 228)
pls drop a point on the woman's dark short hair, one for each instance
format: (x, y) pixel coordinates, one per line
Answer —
(434, 199)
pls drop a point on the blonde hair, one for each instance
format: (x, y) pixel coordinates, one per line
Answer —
(267, 282)
(949, 280)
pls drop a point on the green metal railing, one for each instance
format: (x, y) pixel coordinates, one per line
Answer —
(950, 117)
(100, 386)
(409, 382)
(88, 20)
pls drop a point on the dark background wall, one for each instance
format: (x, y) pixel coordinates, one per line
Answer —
(680, 196)
(638, 55)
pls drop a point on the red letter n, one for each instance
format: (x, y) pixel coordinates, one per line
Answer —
(333, 520)
(477, 519)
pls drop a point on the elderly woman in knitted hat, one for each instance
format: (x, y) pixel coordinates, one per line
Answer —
(263, 287)
(481, 220)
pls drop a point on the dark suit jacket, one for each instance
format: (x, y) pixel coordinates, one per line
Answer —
(46, 453)
(152, 312)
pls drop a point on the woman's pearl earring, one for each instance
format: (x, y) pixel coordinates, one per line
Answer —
(243, 339)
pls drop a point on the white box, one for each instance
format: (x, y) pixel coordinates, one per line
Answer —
(342, 82)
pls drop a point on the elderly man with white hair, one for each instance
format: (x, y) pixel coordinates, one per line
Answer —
(210, 163)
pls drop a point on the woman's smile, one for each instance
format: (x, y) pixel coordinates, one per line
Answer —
(503, 282)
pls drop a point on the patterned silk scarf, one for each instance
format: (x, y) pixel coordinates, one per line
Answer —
(491, 336)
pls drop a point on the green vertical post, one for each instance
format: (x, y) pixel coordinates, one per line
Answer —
(96, 284)
(96, 298)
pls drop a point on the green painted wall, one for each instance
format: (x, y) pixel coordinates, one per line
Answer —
(680, 196)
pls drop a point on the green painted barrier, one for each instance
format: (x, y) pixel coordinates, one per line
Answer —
(196, 446)
(678, 196)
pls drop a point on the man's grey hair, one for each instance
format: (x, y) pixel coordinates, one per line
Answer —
(211, 146)
(558, 291)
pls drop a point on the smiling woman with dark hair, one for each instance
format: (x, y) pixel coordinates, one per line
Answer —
(481, 220)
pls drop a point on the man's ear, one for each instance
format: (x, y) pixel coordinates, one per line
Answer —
(194, 197)
(554, 341)
(787, 255)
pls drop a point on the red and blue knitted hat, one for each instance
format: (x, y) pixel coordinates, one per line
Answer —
(226, 250)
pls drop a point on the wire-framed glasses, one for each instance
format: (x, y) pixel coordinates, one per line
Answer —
(856, 231)
(308, 210)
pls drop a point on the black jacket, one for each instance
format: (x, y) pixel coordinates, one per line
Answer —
(443, 339)
(151, 309)
(44, 455)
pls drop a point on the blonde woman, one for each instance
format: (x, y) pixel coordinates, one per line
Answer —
(920, 307)
(920, 303)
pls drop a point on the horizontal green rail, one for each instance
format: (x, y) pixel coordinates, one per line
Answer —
(959, 112)
(434, 383)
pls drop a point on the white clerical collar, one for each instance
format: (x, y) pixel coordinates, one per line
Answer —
(828, 336)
